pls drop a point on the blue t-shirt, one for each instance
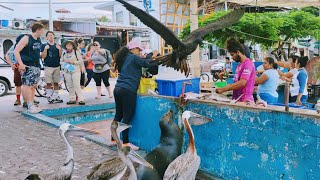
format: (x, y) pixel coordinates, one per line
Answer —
(53, 58)
(271, 85)
(131, 72)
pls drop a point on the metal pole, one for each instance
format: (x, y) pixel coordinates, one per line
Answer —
(147, 6)
(195, 59)
(50, 16)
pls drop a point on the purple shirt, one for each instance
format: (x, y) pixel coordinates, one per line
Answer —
(245, 70)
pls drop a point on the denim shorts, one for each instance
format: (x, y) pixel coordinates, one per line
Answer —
(31, 76)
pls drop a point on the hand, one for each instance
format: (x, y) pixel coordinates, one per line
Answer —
(299, 103)
(22, 67)
(220, 90)
(13, 67)
(58, 47)
(46, 47)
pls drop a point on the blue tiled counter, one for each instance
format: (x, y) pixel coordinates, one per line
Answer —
(241, 142)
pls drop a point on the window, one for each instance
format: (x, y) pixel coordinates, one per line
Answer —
(133, 20)
(119, 17)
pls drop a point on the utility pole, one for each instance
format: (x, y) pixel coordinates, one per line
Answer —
(195, 59)
(50, 16)
(147, 6)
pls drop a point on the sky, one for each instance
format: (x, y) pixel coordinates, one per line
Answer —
(25, 9)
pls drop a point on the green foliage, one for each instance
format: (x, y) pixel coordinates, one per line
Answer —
(313, 10)
(272, 26)
(104, 19)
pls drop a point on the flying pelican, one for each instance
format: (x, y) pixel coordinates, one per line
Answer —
(116, 167)
(181, 49)
(186, 165)
(64, 172)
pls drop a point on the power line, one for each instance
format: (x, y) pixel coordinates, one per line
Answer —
(257, 36)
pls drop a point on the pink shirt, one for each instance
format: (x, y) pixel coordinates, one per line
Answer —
(245, 70)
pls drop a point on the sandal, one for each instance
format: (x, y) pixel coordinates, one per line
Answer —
(82, 103)
(71, 102)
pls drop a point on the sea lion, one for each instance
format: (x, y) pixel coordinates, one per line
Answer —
(167, 150)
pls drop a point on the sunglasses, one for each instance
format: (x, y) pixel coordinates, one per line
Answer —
(95, 44)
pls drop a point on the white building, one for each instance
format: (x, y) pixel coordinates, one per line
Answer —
(121, 16)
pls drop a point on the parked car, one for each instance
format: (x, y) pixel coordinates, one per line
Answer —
(6, 78)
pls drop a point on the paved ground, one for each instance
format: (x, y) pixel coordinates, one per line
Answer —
(32, 147)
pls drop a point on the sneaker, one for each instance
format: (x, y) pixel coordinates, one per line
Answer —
(71, 102)
(17, 102)
(34, 110)
(50, 99)
(36, 102)
(82, 103)
(58, 99)
(133, 147)
(25, 104)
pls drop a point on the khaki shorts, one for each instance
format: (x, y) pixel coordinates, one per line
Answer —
(52, 74)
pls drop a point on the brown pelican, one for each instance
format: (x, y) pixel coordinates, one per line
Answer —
(116, 167)
(64, 172)
(181, 49)
(186, 165)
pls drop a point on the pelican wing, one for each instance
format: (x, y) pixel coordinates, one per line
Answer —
(184, 166)
(107, 170)
(222, 22)
(154, 24)
(169, 60)
(63, 173)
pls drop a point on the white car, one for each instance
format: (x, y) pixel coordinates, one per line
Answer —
(6, 79)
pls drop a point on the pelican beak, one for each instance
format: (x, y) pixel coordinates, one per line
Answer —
(122, 127)
(77, 131)
(197, 119)
(133, 156)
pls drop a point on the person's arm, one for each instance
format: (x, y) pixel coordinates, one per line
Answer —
(260, 80)
(283, 64)
(230, 87)
(302, 78)
(143, 62)
(44, 51)
(21, 44)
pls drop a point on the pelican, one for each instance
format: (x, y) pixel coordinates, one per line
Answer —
(186, 165)
(115, 168)
(64, 172)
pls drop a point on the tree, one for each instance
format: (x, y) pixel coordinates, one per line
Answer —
(267, 29)
(104, 19)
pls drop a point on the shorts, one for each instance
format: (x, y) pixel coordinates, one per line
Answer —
(31, 76)
(17, 78)
(52, 74)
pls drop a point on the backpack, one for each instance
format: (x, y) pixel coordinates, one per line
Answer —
(11, 50)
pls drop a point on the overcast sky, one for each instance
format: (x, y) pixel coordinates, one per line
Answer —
(40, 8)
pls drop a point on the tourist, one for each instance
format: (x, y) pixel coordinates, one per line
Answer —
(245, 73)
(226, 70)
(129, 64)
(51, 53)
(72, 60)
(102, 59)
(268, 81)
(27, 53)
(88, 63)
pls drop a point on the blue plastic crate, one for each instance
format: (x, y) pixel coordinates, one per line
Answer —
(174, 87)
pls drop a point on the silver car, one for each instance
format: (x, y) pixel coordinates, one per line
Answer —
(6, 78)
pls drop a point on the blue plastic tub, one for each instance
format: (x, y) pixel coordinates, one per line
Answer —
(230, 81)
(174, 87)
